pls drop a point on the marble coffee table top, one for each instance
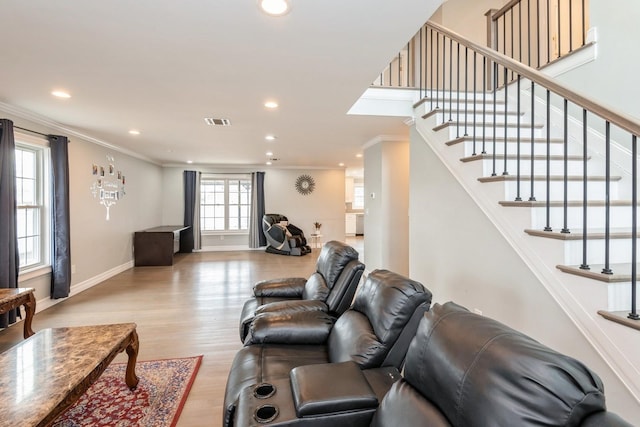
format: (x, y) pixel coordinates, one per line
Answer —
(55, 366)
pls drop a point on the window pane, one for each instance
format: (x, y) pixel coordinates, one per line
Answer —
(219, 224)
(219, 212)
(233, 223)
(234, 198)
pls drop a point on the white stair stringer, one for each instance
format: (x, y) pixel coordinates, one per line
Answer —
(579, 298)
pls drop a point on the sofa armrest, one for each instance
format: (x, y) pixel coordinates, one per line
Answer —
(305, 327)
(291, 287)
(292, 306)
(330, 389)
(604, 419)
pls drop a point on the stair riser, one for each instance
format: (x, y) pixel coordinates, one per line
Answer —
(478, 131)
(595, 190)
(446, 106)
(444, 116)
(620, 217)
(539, 167)
(619, 251)
(619, 296)
(540, 149)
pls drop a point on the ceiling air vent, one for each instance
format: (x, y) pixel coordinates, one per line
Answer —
(217, 122)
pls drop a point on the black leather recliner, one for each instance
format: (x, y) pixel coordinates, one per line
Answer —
(283, 238)
(374, 332)
(461, 370)
(330, 288)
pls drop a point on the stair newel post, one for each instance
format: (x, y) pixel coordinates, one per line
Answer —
(532, 197)
(565, 228)
(466, 92)
(548, 161)
(506, 125)
(548, 32)
(538, 31)
(607, 200)
(634, 223)
(458, 92)
(584, 265)
(529, 32)
(484, 103)
(518, 198)
(495, 95)
(570, 27)
(444, 71)
(475, 105)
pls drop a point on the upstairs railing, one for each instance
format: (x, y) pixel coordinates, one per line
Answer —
(537, 32)
(449, 68)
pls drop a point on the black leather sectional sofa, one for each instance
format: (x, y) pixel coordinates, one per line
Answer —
(390, 361)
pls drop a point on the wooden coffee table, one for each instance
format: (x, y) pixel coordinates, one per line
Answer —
(47, 372)
(14, 298)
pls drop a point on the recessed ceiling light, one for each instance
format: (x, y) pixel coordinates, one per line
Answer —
(359, 155)
(189, 161)
(340, 164)
(269, 153)
(61, 94)
(134, 132)
(271, 104)
(269, 163)
(270, 137)
(275, 7)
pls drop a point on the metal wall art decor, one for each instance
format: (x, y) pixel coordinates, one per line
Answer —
(305, 184)
(108, 186)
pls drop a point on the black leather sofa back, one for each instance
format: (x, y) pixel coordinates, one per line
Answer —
(372, 332)
(463, 369)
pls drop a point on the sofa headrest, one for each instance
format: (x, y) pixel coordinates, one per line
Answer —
(389, 300)
(479, 372)
(334, 256)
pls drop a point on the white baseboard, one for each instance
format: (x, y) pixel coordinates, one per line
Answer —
(228, 248)
(45, 303)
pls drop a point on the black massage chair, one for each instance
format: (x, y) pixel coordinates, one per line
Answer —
(283, 238)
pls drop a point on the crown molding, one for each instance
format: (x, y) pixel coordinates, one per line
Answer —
(53, 125)
(384, 138)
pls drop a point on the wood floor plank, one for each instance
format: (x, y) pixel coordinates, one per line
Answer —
(187, 309)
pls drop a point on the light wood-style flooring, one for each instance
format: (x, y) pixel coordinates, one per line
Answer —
(187, 309)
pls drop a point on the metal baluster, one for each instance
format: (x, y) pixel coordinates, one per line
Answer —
(431, 71)
(458, 91)
(548, 175)
(484, 103)
(475, 105)
(565, 228)
(518, 198)
(506, 121)
(495, 95)
(437, 67)
(634, 223)
(607, 206)
(584, 25)
(450, 78)
(584, 265)
(466, 89)
(532, 197)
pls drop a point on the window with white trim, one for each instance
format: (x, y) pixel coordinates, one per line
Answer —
(32, 199)
(225, 204)
(358, 196)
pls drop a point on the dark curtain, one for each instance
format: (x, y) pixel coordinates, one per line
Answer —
(257, 238)
(9, 255)
(60, 217)
(190, 186)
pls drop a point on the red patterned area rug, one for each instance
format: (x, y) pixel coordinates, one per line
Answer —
(156, 402)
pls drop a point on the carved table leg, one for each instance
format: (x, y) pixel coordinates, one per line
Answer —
(132, 350)
(30, 308)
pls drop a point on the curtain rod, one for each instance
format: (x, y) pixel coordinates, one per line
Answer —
(28, 130)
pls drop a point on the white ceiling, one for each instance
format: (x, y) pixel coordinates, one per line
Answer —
(162, 66)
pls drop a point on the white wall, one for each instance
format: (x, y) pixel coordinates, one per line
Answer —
(466, 17)
(386, 229)
(325, 204)
(458, 254)
(100, 248)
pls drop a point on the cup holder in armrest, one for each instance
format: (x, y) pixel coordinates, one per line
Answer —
(265, 414)
(264, 390)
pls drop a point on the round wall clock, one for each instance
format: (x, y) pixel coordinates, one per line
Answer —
(305, 184)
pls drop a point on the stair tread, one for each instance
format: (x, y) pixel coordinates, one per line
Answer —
(500, 139)
(557, 203)
(577, 234)
(499, 125)
(527, 177)
(620, 317)
(487, 156)
(470, 100)
(595, 272)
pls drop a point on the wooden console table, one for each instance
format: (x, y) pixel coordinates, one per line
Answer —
(15, 297)
(46, 373)
(156, 246)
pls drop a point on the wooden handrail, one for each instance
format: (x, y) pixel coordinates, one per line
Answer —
(618, 119)
(498, 14)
